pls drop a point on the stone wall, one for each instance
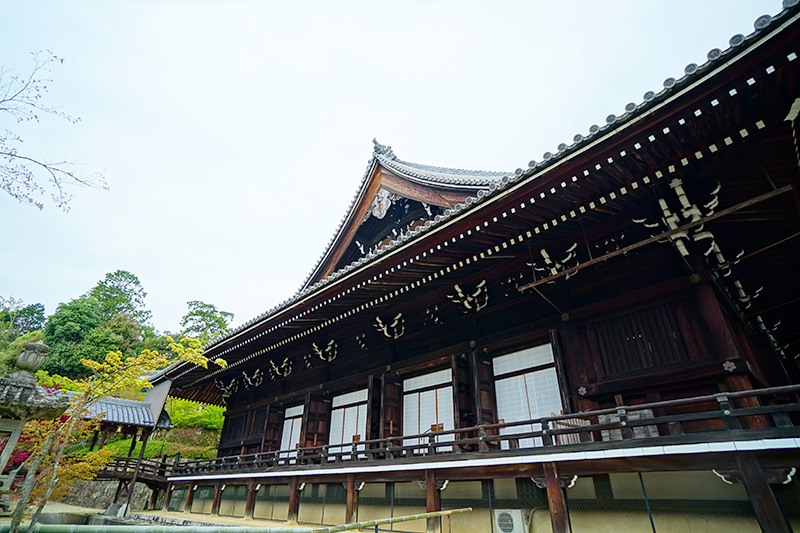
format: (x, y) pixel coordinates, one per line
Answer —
(100, 494)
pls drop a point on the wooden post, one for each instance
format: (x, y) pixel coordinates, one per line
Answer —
(133, 444)
(132, 483)
(120, 484)
(94, 440)
(556, 500)
(294, 501)
(723, 343)
(763, 499)
(432, 500)
(167, 497)
(741, 383)
(103, 435)
(251, 499)
(217, 498)
(189, 497)
(352, 499)
(153, 498)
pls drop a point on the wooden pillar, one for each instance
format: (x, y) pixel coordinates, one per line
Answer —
(132, 484)
(133, 444)
(153, 498)
(189, 497)
(723, 342)
(768, 512)
(103, 435)
(556, 500)
(294, 500)
(431, 500)
(120, 484)
(167, 496)
(94, 440)
(742, 383)
(217, 498)
(251, 499)
(352, 499)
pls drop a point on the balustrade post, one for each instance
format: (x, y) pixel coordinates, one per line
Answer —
(482, 444)
(547, 437)
(730, 421)
(431, 444)
(627, 433)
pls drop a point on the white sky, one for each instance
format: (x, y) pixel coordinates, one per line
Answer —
(233, 135)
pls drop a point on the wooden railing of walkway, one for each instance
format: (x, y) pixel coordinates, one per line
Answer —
(153, 472)
(755, 414)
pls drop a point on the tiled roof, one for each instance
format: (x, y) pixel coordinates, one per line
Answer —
(693, 72)
(128, 412)
(431, 174)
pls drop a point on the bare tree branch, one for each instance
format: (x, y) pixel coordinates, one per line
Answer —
(23, 176)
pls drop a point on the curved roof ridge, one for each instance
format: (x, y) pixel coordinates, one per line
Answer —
(451, 176)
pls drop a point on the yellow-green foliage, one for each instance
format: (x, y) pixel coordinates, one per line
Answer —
(156, 449)
(189, 414)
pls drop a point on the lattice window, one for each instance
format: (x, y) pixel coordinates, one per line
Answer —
(428, 406)
(526, 388)
(348, 420)
(635, 341)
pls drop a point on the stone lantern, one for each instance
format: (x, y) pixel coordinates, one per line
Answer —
(21, 400)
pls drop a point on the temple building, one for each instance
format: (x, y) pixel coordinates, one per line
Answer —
(605, 340)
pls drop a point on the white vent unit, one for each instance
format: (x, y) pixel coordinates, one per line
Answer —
(510, 521)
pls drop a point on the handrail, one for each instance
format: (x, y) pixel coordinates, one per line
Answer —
(550, 430)
(395, 520)
(157, 467)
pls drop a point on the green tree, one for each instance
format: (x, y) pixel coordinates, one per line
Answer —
(109, 318)
(72, 321)
(17, 319)
(118, 293)
(205, 322)
(25, 175)
(65, 332)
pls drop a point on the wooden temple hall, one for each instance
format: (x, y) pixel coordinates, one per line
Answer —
(606, 340)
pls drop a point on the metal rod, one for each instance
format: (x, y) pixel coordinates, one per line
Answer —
(647, 503)
(751, 254)
(546, 299)
(661, 236)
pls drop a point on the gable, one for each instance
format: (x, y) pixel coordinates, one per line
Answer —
(395, 196)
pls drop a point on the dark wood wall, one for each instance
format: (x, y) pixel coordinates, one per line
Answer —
(668, 340)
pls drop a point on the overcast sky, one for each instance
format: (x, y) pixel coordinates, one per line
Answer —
(234, 135)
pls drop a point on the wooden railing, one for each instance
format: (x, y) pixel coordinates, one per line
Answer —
(756, 414)
(126, 466)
